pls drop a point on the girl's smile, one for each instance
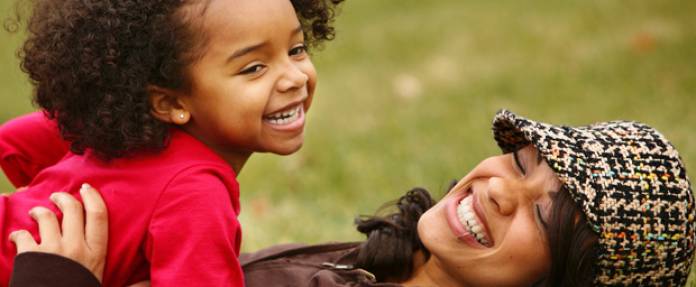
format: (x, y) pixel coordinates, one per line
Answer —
(288, 119)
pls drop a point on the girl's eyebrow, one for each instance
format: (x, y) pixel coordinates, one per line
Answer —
(297, 30)
(249, 49)
(244, 51)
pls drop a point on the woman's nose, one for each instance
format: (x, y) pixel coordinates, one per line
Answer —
(292, 77)
(503, 194)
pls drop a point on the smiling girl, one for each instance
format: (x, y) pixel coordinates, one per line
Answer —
(161, 103)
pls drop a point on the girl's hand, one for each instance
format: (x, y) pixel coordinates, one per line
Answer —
(82, 242)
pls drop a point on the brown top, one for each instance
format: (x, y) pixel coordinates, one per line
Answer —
(36, 269)
(323, 265)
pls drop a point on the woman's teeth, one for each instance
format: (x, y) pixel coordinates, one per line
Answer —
(285, 117)
(467, 217)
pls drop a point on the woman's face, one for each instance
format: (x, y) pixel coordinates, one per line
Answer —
(489, 230)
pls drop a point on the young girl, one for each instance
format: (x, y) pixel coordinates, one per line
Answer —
(161, 104)
(603, 205)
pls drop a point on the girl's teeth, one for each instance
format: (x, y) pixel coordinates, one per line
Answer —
(284, 117)
(470, 221)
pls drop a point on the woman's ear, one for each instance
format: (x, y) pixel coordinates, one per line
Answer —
(167, 106)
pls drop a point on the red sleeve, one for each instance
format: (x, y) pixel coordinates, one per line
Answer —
(29, 144)
(194, 236)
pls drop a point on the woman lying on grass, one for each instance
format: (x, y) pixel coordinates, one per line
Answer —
(605, 204)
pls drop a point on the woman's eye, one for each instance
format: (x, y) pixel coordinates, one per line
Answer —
(517, 162)
(253, 69)
(540, 216)
(298, 50)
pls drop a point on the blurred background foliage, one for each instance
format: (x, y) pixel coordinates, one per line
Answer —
(408, 88)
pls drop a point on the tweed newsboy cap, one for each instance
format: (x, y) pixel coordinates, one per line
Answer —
(630, 183)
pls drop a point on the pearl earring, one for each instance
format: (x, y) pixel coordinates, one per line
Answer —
(181, 116)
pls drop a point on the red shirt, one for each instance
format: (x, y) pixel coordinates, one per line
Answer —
(172, 214)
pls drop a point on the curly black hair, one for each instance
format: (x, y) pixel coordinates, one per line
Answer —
(393, 239)
(91, 61)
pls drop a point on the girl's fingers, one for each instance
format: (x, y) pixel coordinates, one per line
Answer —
(49, 230)
(23, 240)
(97, 226)
(73, 217)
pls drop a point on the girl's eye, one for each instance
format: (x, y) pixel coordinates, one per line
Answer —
(253, 69)
(517, 162)
(298, 50)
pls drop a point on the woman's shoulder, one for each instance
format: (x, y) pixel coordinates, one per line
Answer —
(327, 265)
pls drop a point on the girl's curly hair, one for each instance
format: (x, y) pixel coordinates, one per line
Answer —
(92, 60)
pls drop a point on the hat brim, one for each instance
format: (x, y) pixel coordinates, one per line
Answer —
(557, 145)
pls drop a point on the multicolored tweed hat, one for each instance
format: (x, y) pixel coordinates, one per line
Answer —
(632, 186)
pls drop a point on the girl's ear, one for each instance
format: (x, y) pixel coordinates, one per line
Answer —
(167, 106)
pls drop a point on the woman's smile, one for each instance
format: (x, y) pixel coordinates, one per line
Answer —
(468, 221)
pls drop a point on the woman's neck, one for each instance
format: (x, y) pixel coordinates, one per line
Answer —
(430, 274)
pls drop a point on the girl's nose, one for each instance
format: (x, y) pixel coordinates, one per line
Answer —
(504, 195)
(292, 78)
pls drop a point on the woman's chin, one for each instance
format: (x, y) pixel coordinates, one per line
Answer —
(433, 229)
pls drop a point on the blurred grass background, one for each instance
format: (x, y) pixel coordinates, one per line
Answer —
(408, 89)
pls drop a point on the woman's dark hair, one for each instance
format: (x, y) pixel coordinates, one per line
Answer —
(573, 244)
(92, 60)
(392, 240)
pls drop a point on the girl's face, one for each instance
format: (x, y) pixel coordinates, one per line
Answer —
(254, 82)
(490, 228)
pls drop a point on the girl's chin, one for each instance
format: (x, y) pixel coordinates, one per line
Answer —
(287, 148)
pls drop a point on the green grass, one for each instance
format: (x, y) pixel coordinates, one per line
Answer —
(408, 88)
